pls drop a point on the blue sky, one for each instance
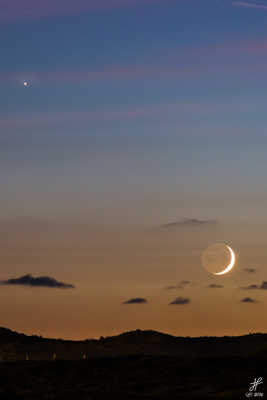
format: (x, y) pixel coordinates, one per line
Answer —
(169, 89)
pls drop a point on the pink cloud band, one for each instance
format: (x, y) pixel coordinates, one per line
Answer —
(102, 115)
(29, 9)
(78, 76)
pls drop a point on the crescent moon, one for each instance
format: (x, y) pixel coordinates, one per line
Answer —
(231, 264)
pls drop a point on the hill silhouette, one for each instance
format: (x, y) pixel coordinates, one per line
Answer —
(14, 346)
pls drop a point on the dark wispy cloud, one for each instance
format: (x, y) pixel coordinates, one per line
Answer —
(172, 287)
(262, 286)
(180, 285)
(184, 283)
(249, 300)
(254, 286)
(180, 301)
(214, 286)
(250, 270)
(136, 300)
(249, 5)
(41, 281)
(184, 222)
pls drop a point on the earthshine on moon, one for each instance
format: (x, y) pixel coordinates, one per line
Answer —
(218, 259)
(231, 264)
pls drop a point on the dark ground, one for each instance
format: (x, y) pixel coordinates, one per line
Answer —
(133, 377)
(145, 365)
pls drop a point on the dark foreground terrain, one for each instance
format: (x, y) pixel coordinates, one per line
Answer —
(128, 378)
(200, 368)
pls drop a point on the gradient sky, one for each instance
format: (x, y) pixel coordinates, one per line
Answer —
(138, 113)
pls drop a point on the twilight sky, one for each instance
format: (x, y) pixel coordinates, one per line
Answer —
(138, 113)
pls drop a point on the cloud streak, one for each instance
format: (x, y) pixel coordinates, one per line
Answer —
(180, 301)
(102, 115)
(248, 300)
(62, 76)
(191, 222)
(12, 10)
(249, 5)
(214, 286)
(170, 69)
(136, 300)
(250, 270)
(42, 281)
(180, 285)
(262, 286)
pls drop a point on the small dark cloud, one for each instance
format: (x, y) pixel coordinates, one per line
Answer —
(262, 286)
(180, 285)
(180, 301)
(184, 283)
(251, 287)
(214, 286)
(172, 287)
(248, 300)
(41, 281)
(189, 222)
(136, 300)
(250, 270)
